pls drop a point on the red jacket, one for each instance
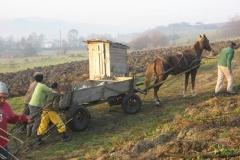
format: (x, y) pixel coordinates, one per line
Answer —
(7, 116)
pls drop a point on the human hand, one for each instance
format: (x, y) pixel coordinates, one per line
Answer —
(29, 119)
(62, 92)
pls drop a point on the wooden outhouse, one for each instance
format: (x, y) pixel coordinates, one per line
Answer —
(106, 59)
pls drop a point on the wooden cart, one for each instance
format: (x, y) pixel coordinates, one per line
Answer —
(115, 91)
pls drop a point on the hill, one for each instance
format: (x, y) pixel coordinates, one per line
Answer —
(51, 28)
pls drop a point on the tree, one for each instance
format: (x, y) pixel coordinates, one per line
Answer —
(25, 48)
(2, 44)
(35, 40)
(72, 38)
(81, 44)
(232, 27)
(151, 39)
(101, 36)
(10, 43)
(41, 39)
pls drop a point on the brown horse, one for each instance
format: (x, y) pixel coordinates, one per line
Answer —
(187, 62)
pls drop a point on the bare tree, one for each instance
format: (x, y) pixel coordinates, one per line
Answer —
(35, 40)
(81, 44)
(10, 43)
(101, 36)
(72, 38)
(25, 48)
(232, 27)
(151, 39)
(41, 39)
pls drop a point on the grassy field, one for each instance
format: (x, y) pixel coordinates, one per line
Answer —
(44, 58)
(110, 128)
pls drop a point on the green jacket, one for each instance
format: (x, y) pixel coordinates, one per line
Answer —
(39, 95)
(52, 102)
(225, 57)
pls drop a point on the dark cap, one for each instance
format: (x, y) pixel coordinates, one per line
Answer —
(38, 78)
(232, 44)
(54, 85)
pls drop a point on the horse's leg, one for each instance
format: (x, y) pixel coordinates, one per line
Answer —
(186, 84)
(193, 77)
(156, 98)
(158, 85)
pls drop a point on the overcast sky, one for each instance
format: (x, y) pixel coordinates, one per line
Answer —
(143, 14)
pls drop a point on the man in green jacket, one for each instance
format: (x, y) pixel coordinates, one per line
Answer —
(225, 69)
(37, 101)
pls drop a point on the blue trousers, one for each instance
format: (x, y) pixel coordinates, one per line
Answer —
(4, 153)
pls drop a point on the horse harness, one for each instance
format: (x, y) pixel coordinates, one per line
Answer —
(184, 57)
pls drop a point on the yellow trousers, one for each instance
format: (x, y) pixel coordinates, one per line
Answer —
(52, 116)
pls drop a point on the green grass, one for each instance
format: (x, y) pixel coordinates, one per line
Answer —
(16, 104)
(45, 58)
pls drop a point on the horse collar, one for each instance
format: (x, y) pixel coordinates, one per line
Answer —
(193, 52)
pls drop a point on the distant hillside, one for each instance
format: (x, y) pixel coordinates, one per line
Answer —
(51, 28)
(22, 27)
(185, 29)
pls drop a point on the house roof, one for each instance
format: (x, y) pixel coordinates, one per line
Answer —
(116, 44)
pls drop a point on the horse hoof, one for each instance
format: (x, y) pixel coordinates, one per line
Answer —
(158, 104)
(194, 94)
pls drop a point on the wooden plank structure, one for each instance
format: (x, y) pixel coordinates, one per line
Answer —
(108, 82)
(107, 59)
(93, 90)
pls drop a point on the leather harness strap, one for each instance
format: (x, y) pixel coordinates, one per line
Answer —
(184, 57)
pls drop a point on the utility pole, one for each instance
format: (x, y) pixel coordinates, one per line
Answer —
(60, 39)
(118, 37)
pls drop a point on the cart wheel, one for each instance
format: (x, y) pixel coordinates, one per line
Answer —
(80, 118)
(131, 103)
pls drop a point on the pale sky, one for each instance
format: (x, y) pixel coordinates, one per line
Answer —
(124, 13)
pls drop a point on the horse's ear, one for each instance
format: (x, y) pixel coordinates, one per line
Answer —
(200, 35)
(204, 35)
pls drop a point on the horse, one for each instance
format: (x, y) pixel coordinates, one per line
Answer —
(186, 62)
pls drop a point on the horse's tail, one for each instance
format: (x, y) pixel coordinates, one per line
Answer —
(148, 74)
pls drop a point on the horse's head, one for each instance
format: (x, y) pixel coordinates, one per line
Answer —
(204, 42)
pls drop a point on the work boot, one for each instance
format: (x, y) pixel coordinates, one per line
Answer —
(65, 137)
(231, 92)
(39, 140)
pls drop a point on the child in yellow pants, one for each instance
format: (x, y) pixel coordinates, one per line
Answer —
(49, 114)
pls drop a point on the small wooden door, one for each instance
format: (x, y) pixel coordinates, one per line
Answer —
(99, 61)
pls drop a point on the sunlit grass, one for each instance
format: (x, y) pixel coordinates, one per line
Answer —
(47, 59)
(17, 104)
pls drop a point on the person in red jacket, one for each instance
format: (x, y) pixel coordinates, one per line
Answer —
(7, 116)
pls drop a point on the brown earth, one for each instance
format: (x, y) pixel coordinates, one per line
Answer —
(71, 73)
(196, 130)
